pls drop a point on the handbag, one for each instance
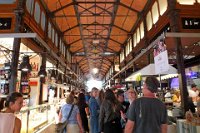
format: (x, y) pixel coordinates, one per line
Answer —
(60, 127)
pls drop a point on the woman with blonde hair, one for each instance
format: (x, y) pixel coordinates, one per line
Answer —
(74, 122)
(132, 95)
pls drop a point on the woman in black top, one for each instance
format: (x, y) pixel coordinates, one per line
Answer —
(110, 114)
(83, 108)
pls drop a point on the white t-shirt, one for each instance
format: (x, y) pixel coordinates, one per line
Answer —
(7, 121)
(193, 93)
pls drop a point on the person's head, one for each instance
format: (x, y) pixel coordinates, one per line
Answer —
(132, 94)
(151, 85)
(110, 96)
(177, 93)
(94, 92)
(69, 99)
(81, 98)
(120, 96)
(82, 91)
(72, 92)
(193, 87)
(14, 102)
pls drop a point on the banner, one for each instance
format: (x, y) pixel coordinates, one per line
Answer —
(161, 58)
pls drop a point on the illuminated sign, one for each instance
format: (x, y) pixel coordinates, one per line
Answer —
(5, 23)
(191, 23)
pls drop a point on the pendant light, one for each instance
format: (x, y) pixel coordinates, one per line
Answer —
(53, 74)
(42, 72)
(25, 65)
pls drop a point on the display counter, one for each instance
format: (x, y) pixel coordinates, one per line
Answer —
(34, 118)
(186, 127)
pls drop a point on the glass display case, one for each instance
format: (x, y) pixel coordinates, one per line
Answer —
(35, 118)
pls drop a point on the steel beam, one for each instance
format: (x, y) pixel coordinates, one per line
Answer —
(70, 29)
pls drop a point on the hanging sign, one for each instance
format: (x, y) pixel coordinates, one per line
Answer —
(5, 23)
(191, 23)
(161, 58)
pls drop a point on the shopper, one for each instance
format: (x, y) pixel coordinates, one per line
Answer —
(193, 93)
(120, 98)
(74, 122)
(132, 95)
(84, 111)
(109, 118)
(9, 123)
(94, 111)
(147, 114)
(100, 97)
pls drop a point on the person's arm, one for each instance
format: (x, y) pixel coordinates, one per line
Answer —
(60, 116)
(129, 126)
(17, 126)
(78, 117)
(164, 128)
(87, 111)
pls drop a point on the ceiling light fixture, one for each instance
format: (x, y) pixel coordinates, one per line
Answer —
(42, 72)
(25, 65)
(95, 70)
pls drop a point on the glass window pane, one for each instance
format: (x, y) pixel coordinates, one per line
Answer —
(37, 12)
(130, 45)
(138, 35)
(64, 51)
(56, 39)
(135, 40)
(29, 6)
(43, 21)
(155, 13)
(186, 2)
(149, 21)
(142, 30)
(53, 36)
(162, 6)
(49, 30)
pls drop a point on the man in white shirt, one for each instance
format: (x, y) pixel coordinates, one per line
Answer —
(193, 92)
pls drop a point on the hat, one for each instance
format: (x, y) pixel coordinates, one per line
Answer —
(193, 85)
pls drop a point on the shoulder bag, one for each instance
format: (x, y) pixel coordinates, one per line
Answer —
(60, 127)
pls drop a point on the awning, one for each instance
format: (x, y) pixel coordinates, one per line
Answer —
(149, 70)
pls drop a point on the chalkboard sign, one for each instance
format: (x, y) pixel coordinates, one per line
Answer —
(5, 23)
(191, 23)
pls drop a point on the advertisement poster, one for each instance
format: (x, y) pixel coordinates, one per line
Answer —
(161, 58)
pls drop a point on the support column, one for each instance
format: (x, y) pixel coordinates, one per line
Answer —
(19, 24)
(146, 41)
(174, 25)
(42, 79)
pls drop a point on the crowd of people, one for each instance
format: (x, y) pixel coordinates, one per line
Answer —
(101, 111)
(108, 111)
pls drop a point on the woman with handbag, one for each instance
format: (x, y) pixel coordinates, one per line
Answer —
(71, 114)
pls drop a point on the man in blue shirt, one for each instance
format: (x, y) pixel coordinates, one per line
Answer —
(94, 111)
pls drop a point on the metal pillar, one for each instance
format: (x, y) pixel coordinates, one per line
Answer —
(42, 79)
(174, 25)
(19, 13)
